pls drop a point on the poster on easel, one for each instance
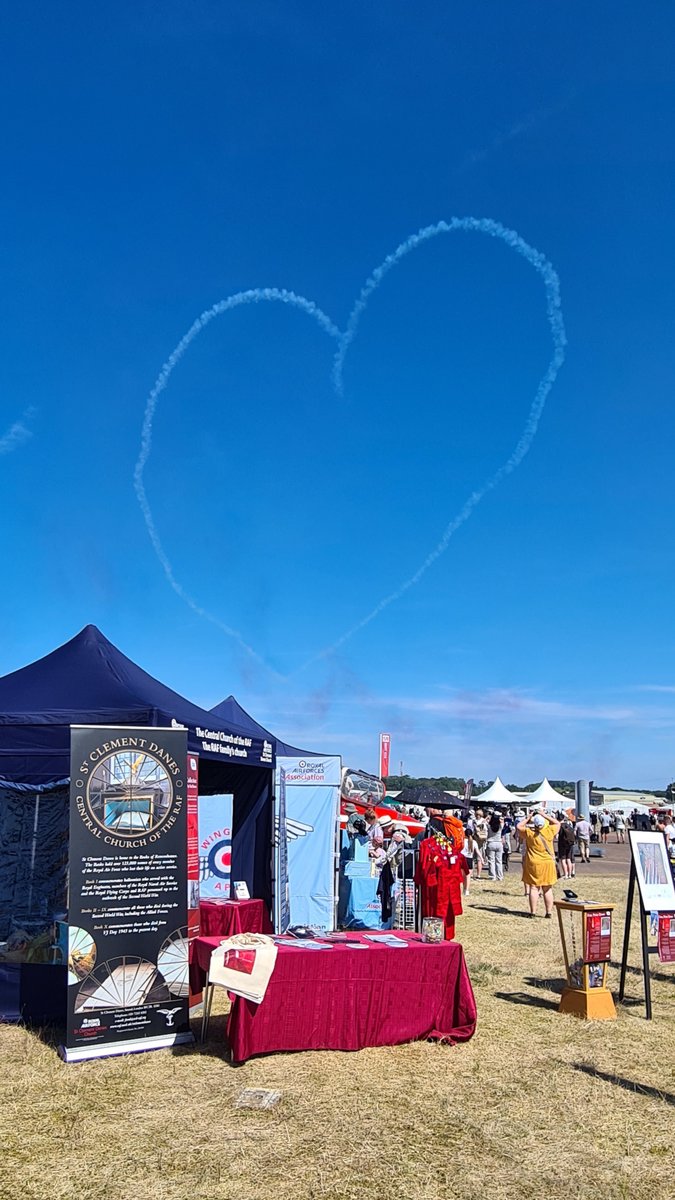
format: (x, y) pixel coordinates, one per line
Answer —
(128, 892)
(650, 869)
(654, 876)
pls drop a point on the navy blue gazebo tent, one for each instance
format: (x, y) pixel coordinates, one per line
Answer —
(88, 681)
(231, 711)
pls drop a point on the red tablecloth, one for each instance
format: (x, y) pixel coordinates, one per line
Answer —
(345, 998)
(235, 916)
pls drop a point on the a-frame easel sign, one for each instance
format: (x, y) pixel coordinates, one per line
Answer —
(650, 868)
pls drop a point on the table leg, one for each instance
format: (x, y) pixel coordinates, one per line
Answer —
(206, 1010)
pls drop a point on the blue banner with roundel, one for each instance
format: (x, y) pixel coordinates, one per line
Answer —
(215, 847)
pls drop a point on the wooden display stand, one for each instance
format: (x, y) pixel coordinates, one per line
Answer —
(586, 994)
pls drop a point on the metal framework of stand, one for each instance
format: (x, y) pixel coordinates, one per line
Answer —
(207, 1005)
(646, 948)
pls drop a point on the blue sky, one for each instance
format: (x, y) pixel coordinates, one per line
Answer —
(160, 158)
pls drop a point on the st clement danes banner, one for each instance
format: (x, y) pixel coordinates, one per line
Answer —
(128, 891)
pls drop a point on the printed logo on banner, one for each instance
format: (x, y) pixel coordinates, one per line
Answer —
(235, 745)
(311, 770)
(294, 829)
(220, 859)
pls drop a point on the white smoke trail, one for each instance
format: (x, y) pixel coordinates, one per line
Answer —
(483, 225)
(17, 434)
(252, 296)
(554, 312)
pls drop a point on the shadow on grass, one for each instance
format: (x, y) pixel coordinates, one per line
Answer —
(501, 909)
(629, 1085)
(527, 999)
(552, 984)
(659, 975)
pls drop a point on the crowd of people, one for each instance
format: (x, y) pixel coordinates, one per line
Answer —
(550, 846)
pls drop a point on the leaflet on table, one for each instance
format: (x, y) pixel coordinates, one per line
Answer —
(385, 939)
(304, 943)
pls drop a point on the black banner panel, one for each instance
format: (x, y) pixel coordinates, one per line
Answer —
(128, 981)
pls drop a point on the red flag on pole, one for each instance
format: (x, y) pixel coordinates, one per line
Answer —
(385, 746)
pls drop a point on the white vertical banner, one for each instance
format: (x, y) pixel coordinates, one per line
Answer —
(312, 802)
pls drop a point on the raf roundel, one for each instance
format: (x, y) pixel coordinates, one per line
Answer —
(220, 857)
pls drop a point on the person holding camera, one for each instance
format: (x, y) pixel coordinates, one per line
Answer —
(537, 834)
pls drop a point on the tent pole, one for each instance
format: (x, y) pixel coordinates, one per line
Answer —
(273, 867)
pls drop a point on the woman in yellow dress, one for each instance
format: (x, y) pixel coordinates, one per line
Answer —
(537, 833)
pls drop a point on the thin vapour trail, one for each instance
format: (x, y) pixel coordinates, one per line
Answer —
(252, 296)
(554, 313)
(17, 434)
(483, 225)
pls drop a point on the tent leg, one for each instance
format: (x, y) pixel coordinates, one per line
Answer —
(206, 1010)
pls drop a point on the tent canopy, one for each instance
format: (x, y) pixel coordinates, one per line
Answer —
(231, 711)
(496, 794)
(88, 681)
(546, 797)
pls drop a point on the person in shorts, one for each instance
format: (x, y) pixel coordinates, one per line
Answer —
(583, 833)
(605, 825)
(566, 847)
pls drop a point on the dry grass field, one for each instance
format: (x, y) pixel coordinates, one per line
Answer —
(536, 1105)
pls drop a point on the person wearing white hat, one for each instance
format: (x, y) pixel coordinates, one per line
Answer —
(537, 834)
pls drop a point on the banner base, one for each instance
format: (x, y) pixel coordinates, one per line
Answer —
(82, 1053)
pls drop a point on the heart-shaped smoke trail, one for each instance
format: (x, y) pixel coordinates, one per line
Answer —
(483, 225)
(252, 296)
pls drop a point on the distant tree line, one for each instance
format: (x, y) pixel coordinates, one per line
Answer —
(448, 783)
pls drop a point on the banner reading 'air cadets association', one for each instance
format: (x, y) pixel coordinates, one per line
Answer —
(127, 899)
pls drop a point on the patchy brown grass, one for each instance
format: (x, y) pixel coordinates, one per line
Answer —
(536, 1105)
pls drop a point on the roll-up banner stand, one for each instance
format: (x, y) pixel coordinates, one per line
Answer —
(193, 920)
(312, 796)
(193, 845)
(128, 892)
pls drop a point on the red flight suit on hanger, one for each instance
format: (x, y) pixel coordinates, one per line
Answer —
(439, 875)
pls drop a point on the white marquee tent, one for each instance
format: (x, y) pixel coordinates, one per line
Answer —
(496, 794)
(546, 797)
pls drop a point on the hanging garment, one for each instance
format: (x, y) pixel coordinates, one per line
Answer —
(385, 892)
(439, 878)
